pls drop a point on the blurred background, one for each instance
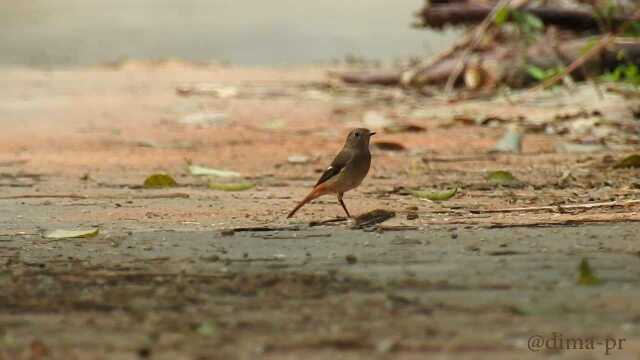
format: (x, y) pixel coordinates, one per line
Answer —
(278, 32)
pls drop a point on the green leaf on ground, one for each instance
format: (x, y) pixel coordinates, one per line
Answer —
(231, 186)
(536, 72)
(197, 170)
(207, 328)
(157, 181)
(631, 161)
(502, 15)
(70, 234)
(533, 21)
(586, 276)
(501, 177)
(435, 195)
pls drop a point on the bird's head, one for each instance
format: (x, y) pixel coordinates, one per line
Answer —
(359, 138)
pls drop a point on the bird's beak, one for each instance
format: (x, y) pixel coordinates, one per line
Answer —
(372, 133)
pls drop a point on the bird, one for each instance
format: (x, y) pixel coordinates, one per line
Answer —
(346, 172)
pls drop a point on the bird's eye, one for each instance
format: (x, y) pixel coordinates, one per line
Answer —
(357, 134)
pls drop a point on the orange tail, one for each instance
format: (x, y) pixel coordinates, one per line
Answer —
(316, 192)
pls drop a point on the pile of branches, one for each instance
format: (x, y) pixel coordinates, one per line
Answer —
(520, 42)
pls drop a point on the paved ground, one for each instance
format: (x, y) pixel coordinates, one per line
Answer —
(190, 272)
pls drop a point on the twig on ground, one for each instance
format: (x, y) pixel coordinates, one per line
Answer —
(558, 208)
(459, 158)
(329, 221)
(85, 197)
(44, 196)
(115, 274)
(265, 228)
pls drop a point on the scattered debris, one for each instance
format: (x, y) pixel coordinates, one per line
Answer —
(156, 181)
(69, 234)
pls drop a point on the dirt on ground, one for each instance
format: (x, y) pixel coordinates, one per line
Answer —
(191, 272)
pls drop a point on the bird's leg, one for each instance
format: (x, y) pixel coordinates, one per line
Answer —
(343, 205)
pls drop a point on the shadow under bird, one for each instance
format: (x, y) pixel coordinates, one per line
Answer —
(347, 170)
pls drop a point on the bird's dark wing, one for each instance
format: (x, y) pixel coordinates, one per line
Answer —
(341, 160)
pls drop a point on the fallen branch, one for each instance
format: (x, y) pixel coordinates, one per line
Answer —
(437, 16)
(478, 35)
(500, 66)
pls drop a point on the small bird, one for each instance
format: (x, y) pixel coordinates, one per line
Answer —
(347, 170)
